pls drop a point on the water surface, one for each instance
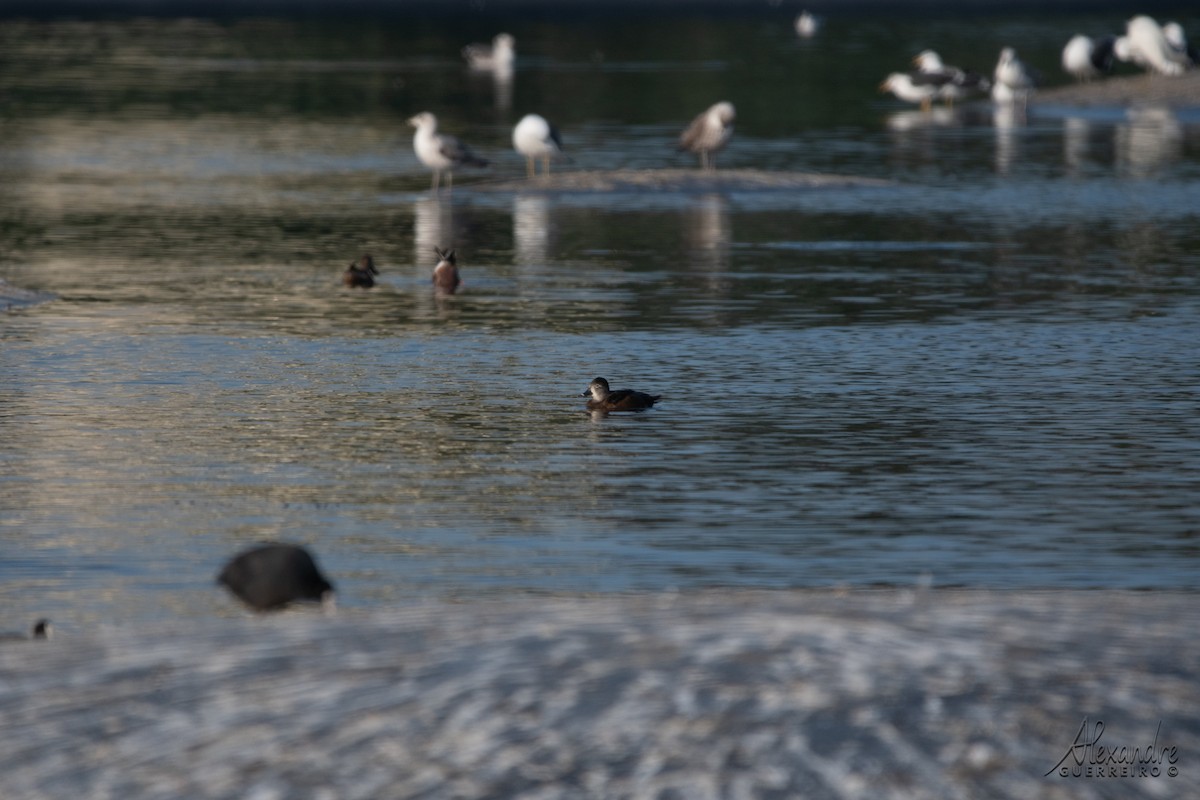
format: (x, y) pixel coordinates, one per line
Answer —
(983, 374)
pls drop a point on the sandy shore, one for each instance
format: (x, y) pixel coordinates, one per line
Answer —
(1128, 91)
(815, 694)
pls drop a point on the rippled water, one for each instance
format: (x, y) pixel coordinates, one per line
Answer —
(985, 372)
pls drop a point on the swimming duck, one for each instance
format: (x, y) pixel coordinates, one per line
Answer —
(604, 399)
(361, 273)
(40, 630)
(271, 576)
(445, 275)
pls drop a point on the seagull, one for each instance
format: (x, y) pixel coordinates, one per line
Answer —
(274, 575)
(604, 399)
(534, 137)
(914, 87)
(1147, 45)
(440, 151)
(1086, 58)
(708, 133)
(960, 83)
(1013, 81)
(445, 274)
(499, 55)
(1173, 33)
(361, 273)
(807, 24)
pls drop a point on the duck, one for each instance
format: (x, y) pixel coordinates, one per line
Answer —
(445, 275)
(604, 399)
(42, 629)
(361, 273)
(498, 56)
(534, 137)
(271, 576)
(440, 152)
(709, 132)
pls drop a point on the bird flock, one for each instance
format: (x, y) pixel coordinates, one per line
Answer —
(1160, 49)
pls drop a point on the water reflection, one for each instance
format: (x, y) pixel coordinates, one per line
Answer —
(1076, 132)
(433, 226)
(1007, 118)
(1151, 141)
(709, 232)
(936, 117)
(532, 231)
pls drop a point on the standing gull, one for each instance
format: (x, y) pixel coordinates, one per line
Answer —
(1145, 44)
(445, 274)
(499, 55)
(440, 151)
(1014, 82)
(535, 137)
(1173, 33)
(959, 83)
(708, 133)
(914, 87)
(1086, 58)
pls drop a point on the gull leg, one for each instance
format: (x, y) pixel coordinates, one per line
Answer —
(546, 164)
(437, 179)
(449, 180)
(530, 169)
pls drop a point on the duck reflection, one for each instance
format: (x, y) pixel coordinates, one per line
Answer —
(709, 232)
(1149, 142)
(532, 230)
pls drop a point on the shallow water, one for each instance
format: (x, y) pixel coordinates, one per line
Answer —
(984, 373)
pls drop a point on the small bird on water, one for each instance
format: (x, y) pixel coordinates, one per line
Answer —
(604, 399)
(445, 275)
(708, 133)
(361, 273)
(440, 152)
(271, 576)
(42, 629)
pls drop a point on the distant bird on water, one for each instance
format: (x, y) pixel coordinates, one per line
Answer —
(361, 273)
(1086, 58)
(959, 83)
(534, 137)
(604, 399)
(708, 133)
(42, 629)
(271, 576)
(440, 152)
(499, 55)
(807, 24)
(445, 275)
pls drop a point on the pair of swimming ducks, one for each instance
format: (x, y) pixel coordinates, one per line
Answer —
(446, 280)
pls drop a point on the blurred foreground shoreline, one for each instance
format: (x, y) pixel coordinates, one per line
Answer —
(716, 693)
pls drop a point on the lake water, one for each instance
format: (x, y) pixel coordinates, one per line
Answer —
(983, 374)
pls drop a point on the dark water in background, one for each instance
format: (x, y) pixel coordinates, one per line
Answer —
(986, 373)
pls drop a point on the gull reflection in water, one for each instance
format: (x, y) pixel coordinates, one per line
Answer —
(532, 231)
(1151, 140)
(709, 233)
(936, 117)
(1006, 118)
(433, 226)
(1076, 132)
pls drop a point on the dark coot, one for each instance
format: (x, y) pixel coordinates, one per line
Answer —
(273, 575)
(40, 630)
